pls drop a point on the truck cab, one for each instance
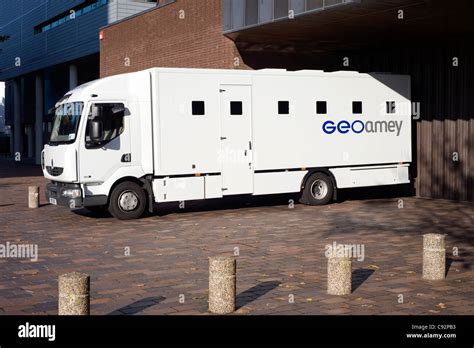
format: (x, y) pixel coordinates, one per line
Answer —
(89, 152)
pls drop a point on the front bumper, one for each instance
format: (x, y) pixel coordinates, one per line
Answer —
(54, 195)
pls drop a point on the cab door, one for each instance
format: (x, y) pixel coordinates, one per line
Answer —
(100, 157)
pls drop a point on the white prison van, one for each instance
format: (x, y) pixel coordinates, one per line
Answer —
(128, 141)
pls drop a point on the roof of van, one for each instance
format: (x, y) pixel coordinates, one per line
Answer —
(253, 72)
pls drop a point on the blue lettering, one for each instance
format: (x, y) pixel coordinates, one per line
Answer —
(328, 127)
(343, 127)
(362, 126)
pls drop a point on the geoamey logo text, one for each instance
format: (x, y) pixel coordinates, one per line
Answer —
(357, 127)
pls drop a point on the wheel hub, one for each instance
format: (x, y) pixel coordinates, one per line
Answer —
(128, 201)
(319, 189)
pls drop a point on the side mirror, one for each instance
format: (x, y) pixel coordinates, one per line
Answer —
(117, 109)
(96, 111)
(96, 131)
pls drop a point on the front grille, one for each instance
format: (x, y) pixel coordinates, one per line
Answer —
(54, 171)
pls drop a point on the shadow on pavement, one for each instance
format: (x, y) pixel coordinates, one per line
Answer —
(11, 169)
(138, 306)
(359, 276)
(375, 192)
(230, 202)
(255, 292)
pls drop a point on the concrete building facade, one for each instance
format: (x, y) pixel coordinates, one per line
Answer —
(46, 48)
(428, 40)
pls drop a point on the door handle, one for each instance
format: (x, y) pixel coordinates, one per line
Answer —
(245, 152)
(223, 138)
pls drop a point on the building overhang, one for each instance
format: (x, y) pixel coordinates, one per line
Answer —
(355, 25)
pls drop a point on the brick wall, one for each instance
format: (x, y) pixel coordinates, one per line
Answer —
(160, 38)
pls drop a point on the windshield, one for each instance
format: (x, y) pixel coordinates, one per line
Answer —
(66, 122)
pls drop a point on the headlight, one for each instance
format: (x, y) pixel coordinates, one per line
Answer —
(71, 193)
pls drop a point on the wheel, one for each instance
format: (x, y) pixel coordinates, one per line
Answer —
(318, 190)
(127, 201)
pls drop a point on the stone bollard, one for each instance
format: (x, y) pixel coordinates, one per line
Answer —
(74, 294)
(222, 284)
(33, 197)
(434, 256)
(339, 275)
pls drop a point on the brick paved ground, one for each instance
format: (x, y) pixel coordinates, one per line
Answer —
(281, 254)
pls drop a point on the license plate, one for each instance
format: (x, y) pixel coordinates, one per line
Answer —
(53, 201)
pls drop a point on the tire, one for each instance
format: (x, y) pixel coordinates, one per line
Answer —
(127, 201)
(318, 190)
